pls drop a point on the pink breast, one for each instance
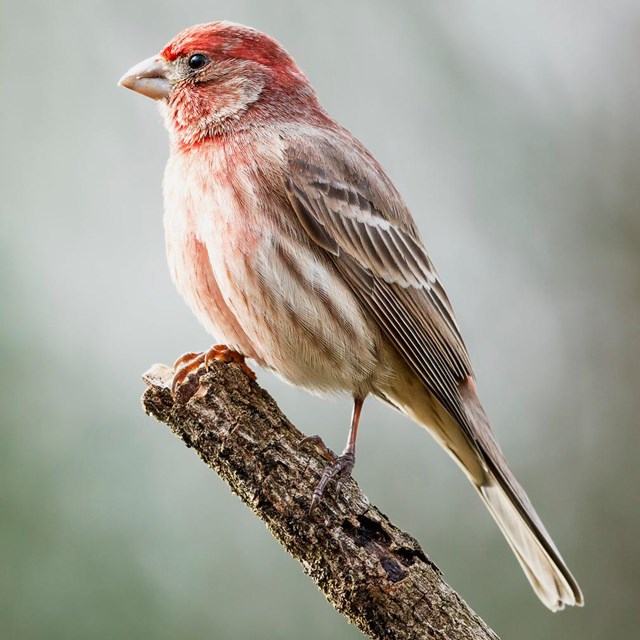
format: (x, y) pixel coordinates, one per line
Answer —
(192, 273)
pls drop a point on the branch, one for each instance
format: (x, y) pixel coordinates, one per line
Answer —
(369, 570)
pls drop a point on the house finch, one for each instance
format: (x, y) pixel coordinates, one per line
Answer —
(293, 247)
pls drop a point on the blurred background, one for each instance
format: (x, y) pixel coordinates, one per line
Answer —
(512, 129)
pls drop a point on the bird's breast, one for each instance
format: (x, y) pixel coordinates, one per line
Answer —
(203, 226)
(253, 277)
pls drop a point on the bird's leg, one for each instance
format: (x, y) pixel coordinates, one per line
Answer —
(190, 362)
(343, 465)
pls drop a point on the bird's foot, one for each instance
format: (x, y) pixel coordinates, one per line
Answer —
(222, 353)
(340, 469)
(184, 367)
(190, 362)
(342, 466)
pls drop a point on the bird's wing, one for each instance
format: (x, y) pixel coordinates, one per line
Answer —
(350, 209)
(361, 222)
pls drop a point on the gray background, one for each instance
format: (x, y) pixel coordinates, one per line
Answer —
(511, 129)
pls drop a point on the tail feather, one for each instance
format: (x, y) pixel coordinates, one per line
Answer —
(513, 512)
(542, 564)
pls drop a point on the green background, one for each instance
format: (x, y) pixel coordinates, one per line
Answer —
(512, 129)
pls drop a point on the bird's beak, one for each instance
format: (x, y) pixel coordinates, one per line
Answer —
(148, 78)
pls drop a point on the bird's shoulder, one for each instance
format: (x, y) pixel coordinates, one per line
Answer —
(334, 157)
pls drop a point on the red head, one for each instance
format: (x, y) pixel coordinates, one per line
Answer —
(219, 77)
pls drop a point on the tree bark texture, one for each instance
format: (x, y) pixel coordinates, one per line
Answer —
(371, 571)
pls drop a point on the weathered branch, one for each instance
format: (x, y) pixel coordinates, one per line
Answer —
(369, 570)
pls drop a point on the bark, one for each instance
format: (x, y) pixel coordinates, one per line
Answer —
(369, 570)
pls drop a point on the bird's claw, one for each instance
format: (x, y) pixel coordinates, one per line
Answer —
(341, 469)
(307, 440)
(222, 353)
(190, 362)
(184, 367)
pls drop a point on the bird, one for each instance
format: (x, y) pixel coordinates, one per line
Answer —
(293, 248)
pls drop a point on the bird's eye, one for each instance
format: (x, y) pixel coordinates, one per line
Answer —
(197, 61)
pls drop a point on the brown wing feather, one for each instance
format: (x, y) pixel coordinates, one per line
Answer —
(391, 274)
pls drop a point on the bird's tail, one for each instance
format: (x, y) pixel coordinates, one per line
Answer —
(475, 449)
(513, 512)
(548, 574)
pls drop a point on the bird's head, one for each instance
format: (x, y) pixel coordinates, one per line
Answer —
(220, 77)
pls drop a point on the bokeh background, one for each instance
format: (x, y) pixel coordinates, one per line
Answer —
(512, 129)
